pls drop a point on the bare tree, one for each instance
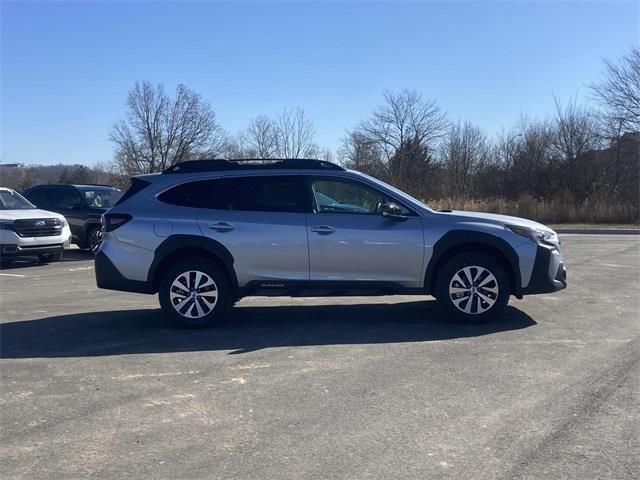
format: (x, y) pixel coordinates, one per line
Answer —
(464, 153)
(404, 117)
(236, 147)
(359, 153)
(262, 137)
(159, 131)
(532, 159)
(294, 135)
(574, 135)
(619, 91)
(575, 130)
(326, 154)
(397, 142)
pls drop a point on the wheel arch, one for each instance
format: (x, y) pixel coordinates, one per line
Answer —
(463, 241)
(177, 247)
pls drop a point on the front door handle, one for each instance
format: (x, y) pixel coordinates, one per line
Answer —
(323, 229)
(221, 226)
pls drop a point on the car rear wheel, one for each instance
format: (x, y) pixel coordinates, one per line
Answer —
(472, 288)
(195, 293)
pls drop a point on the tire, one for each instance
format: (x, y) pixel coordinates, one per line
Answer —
(94, 238)
(50, 257)
(464, 302)
(177, 288)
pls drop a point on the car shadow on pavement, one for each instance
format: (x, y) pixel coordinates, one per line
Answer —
(72, 255)
(247, 328)
(22, 262)
(76, 255)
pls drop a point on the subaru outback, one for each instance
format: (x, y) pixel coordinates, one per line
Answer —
(206, 233)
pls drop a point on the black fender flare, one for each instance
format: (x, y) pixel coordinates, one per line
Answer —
(459, 241)
(175, 243)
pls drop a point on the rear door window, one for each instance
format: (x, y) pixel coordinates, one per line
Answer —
(264, 194)
(68, 198)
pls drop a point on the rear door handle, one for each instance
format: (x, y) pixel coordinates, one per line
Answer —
(323, 229)
(221, 226)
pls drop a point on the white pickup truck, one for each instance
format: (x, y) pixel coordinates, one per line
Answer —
(27, 231)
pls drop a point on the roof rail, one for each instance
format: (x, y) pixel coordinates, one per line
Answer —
(89, 185)
(190, 166)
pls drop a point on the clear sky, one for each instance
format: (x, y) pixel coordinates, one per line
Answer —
(66, 66)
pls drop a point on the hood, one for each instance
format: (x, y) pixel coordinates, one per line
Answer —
(27, 214)
(494, 219)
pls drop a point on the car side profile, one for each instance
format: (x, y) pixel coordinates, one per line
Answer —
(206, 233)
(82, 206)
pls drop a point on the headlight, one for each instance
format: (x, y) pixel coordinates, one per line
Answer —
(64, 222)
(6, 224)
(541, 237)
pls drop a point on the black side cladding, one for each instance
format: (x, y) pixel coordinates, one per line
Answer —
(137, 185)
(108, 277)
(185, 243)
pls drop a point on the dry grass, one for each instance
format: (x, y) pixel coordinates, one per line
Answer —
(556, 211)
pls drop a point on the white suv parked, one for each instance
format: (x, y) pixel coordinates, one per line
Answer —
(27, 231)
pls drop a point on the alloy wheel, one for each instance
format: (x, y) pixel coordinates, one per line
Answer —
(95, 238)
(473, 290)
(193, 294)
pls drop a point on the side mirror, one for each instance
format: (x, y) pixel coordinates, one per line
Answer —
(392, 210)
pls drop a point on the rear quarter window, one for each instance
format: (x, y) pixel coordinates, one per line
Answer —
(195, 194)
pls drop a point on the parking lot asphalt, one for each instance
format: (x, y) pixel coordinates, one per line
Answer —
(97, 384)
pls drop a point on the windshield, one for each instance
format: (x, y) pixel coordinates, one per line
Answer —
(397, 191)
(10, 200)
(101, 197)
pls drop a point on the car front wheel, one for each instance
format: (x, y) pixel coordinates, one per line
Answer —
(472, 288)
(94, 238)
(195, 293)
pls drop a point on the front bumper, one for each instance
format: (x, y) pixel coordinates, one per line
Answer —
(13, 251)
(549, 272)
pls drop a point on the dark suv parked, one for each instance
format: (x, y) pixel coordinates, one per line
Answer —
(82, 205)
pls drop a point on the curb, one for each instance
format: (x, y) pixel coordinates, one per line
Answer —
(601, 231)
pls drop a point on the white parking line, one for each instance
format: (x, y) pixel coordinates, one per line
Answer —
(11, 275)
(77, 269)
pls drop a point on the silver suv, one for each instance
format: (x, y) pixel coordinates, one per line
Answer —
(206, 233)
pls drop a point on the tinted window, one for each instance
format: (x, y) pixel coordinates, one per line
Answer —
(41, 197)
(191, 194)
(34, 196)
(264, 194)
(101, 197)
(68, 198)
(338, 196)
